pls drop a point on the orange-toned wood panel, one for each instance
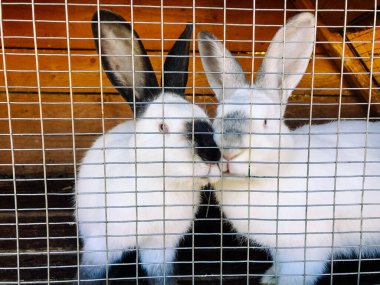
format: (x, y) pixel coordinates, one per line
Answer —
(362, 41)
(85, 75)
(60, 137)
(334, 13)
(71, 128)
(356, 74)
(50, 21)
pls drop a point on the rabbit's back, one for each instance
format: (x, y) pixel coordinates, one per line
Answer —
(343, 180)
(348, 161)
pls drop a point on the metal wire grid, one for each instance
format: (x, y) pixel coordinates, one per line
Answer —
(13, 179)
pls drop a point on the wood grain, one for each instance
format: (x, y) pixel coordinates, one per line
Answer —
(333, 12)
(51, 20)
(345, 58)
(59, 136)
(72, 120)
(361, 41)
(53, 73)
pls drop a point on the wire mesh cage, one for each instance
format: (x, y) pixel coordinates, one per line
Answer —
(198, 142)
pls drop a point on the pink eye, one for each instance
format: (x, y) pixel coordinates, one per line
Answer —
(163, 128)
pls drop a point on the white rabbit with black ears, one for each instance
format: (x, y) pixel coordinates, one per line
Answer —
(139, 185)
(298, 193)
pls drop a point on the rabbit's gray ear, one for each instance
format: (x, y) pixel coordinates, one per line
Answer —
(124, 60)
(177, 64)
(287, 57)
(222, 69)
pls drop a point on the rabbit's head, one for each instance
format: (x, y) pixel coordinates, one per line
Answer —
(171, 135)
(249, 118)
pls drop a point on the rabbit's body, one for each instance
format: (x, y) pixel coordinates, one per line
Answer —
(305, 212)
(306, 194)
(130, 200)
(139, 185)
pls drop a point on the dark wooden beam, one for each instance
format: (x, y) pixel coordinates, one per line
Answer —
(355, 73)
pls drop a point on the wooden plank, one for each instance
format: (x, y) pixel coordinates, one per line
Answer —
(355, 74)
(54, 74)
(361, 41)
(58, 137)
(58, 132)
(333, 12)
(208, 14)
(325, 109)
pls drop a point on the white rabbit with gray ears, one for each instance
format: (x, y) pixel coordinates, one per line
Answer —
(139, 185)
(303, 194)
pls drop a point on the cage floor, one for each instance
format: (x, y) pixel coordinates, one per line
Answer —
(27, 253)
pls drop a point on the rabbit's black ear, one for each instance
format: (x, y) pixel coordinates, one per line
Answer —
(124, 60)
(177, 63)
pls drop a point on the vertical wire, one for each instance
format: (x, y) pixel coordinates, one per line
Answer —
(366, 138)
(164, 141)
(222, 144)
(72, 124)
(279, 142)
(8, 98)
(135, 141)
(42, 140)
(250, 134)
(309, 139)
(193, 156)
(103, 138)
(337, 140)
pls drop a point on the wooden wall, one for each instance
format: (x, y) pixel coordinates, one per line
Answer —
(51, 106)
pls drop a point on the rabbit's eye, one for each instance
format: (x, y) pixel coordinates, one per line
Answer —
(163, 128)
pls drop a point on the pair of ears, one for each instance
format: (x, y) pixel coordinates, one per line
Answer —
(129, 69)
(127, 65)
(283, 66)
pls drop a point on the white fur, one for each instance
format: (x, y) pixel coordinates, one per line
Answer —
(310, 197)
(138, 186)
(134, 190)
